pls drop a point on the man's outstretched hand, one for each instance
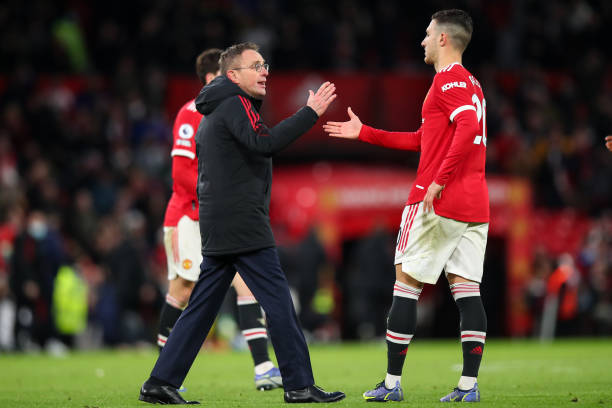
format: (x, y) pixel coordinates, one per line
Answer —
(320, 101)
(347, 130)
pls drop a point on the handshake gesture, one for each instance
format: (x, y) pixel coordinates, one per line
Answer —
(347, 130)
(320, 101)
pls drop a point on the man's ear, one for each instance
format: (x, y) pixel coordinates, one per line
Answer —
(231, 74)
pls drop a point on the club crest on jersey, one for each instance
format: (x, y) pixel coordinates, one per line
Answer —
(187, 264)
(451, 85)
(185, 131)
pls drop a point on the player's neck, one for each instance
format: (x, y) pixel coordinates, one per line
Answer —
(446, 60)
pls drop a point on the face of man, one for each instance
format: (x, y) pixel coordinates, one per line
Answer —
(430, 43)
(246, 76)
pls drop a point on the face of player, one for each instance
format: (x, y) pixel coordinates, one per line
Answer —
(430, 43)
(247, 77)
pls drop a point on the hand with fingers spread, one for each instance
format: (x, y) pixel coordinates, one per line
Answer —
(320, 101)
(347, 130)
(434, 191)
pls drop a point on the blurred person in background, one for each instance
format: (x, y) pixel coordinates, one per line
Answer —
(560, 307)
(83, 221)
(234, 184)
(595, 264)
(127, 289)
(368, 283)
(446, 220)
(309, 258)
(535, 290)
(10, 226)
(36, 258)
(609, 142)
(183, 245)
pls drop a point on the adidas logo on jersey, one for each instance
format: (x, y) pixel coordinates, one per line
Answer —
(450, 85)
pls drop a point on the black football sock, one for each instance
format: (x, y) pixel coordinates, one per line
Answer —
(253, 327)
(473, 326)
(401, 325)
(169, 315)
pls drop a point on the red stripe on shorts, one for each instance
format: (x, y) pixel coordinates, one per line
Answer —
(407, 225)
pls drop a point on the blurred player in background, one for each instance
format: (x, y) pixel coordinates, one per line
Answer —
(183, 244)
(445, 222)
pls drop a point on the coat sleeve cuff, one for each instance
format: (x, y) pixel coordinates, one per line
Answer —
(311, 113)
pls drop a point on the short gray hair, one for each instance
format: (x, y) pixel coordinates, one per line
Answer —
(229, 56)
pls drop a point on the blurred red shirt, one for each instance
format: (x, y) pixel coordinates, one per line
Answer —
(184, 200)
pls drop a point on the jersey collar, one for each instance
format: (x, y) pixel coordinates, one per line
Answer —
(449, 66)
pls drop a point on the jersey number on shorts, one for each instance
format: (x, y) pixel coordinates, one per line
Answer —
(481, 113)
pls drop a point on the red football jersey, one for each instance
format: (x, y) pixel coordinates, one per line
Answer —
(452, 140)
(184, 200)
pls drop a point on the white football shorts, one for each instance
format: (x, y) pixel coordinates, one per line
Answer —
(428, 243)
(183, 249)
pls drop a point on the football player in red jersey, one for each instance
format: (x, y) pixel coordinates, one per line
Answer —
(446, 219)
(183, 243)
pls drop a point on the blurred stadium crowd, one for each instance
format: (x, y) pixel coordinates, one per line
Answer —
(85, 175)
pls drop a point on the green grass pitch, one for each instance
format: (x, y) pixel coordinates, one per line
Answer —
(573, 373)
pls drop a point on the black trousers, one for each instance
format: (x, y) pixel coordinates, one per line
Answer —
(262, 273)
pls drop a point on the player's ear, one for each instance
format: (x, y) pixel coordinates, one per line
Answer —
(443, 39)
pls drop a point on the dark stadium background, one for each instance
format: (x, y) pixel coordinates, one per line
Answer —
(89, 90)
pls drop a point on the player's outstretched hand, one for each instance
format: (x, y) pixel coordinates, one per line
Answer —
(320, 101)
(434, 191)
(609, 142)
(347, 130)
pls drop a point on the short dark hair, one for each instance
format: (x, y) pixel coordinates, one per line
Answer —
(457, 24)
(207, 63)
(228, 57)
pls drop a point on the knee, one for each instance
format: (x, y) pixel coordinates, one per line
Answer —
(180, 292)
(406, 279)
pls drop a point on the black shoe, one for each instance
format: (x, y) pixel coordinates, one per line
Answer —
(161, 394)
(313, 394)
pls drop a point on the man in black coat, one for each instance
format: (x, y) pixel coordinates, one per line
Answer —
(234, 180)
